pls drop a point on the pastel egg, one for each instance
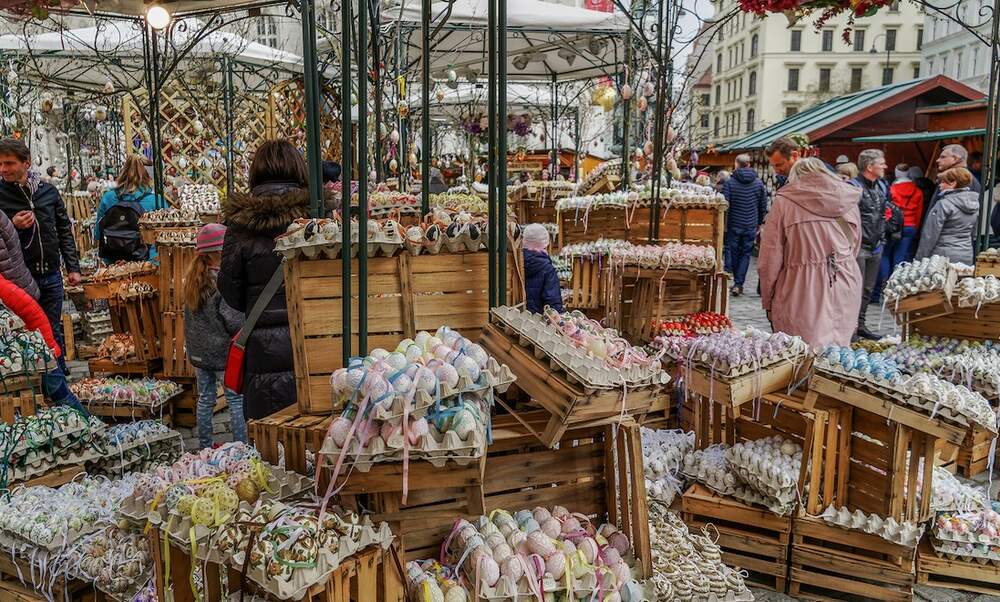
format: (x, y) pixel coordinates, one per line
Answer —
(541, 544)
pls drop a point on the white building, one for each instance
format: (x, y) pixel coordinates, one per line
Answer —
(952, 50)
(765, 70)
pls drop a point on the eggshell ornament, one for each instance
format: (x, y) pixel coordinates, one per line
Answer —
(541, 544)
(551, 527)
(589, 548)
(339, 429)
(555, 565)
(448, 375)
(541, 514)
(512, 568)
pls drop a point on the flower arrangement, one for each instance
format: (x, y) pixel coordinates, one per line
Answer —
(797, 9)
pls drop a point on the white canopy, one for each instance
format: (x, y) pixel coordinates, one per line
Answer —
(544, 39)
(63, 55)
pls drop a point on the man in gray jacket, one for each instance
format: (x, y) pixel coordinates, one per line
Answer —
(12, 266)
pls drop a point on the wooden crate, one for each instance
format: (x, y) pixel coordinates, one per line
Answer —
(753, 539)
(142, 319)
(596, 470)
(185, 406)
(965, 575)
(830, 563)
(926, 305)
(137, 368)
(175, 360)
(106, 289)
(15, 569)
(588, 283)
(567, 402)
(885, 450)
(640, 299)
(294, 432)
(587, 226)
(743, 389)
(961, 323)
(54, 478)
(693, 225)
(129, 413)
(987, 267)
(819, 428)
(175, 260)
(974, 453)
(405, 295)
(20, 396)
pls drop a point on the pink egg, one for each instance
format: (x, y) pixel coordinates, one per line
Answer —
(611, 555)
(559, 512)
(555, 565)
(339, 429)
(619, 541)
(622, 574)
(489, 570)
(589, 548)
(418, 428)
(502, 552)
(541, 514)
(388, 430)
(447, 374)
(570, 525)
(551, 527)
(512, 568)
(541, 544)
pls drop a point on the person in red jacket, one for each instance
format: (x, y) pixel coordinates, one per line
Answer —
(25, 307)
(906, 195)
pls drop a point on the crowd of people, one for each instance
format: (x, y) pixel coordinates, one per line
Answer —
(832, 235)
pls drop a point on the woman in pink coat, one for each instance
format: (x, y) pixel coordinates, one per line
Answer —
(810, 284)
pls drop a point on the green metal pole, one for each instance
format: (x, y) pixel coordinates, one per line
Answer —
(227, 102)
(363, 176)
(156, 150)
(425, 107)
(553, 112)
(502, 152)
(626, 117)
(377, 72)
(345, 179)
(576, 138)
(311, 102)
(491, 149)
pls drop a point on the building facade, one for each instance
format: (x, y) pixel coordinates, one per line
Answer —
(951, 49)
(765, 69)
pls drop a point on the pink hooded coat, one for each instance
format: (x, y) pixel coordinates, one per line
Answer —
(809, 278)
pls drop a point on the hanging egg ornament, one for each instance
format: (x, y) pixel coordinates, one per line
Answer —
(439, 94)
(393, 165)
(413, 159)
(198, 126)
(38, 118)
(182, 162)
(12, 77)
(402, 108)
(109, 87)
(46, 104)
(642, 104)
(100, 114)
(452, 75)
(647, 89)
(648, 148)
(394, 136)
(627, 92)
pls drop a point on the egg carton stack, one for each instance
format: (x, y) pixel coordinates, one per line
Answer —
(43, 519)
(602, 247)
(697, 324)
(710, 466)
(118, 391)
(200, 198)
(976, 292)
(688, 566)
(286, 548)
(55, 436)
(136, 447)
(770, 469)
(905, 533)
(735, 353)
(430, 398)
(455, 231)
(972, 535)
(384, 203)
(593, 202)
(926, 393)
(184, 237)
(670, 256)
(169, 217)
(663, 453)
(910, 278)
(588, 353)
(518, 556)
(683, 194)
(97, 324)
(975, 364)
(470, 203)
(123, 270)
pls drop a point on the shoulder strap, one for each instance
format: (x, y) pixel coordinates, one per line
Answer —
(277, 278)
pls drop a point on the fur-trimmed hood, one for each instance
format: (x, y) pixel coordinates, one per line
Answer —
(270, 207)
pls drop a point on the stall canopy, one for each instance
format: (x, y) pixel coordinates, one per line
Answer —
(922, 136)
(85, 55)
(544, 40)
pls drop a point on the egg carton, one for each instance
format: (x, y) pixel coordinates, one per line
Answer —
(437, 450)
(496, 377)
(303, 578)
(285, 485)
(33, 460)
(161, 450)
(724, 372)
(781, 507)
(141, 444)
(40, 464)
(17, 543)
(533, 331)
(942, 548)
(152, 405)
(417, 247)
(963, 538)
(905, 534)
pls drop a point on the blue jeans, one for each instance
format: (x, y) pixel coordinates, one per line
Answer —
(56, 388)
(208, 382)
(50, 298)
(894, 254)
(739, 246)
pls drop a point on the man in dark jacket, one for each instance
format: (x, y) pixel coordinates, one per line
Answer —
(747, 198)
(872, 205)
(46, 234)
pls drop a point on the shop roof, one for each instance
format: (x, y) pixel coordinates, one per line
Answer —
(922, 136)
(837, 113)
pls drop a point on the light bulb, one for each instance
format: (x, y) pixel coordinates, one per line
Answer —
(157, 17)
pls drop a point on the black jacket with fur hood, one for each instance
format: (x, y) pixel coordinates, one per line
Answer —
(248, 261)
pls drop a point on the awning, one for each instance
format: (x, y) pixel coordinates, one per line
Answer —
(922, 136)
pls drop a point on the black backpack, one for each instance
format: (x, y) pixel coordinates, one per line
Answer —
(120, 238)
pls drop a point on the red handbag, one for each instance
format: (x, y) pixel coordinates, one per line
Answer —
(236, 361)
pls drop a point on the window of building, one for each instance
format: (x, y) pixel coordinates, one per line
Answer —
(976, 69)
(920, 38)
(789, 111)
(729, 58)
(793, 80)
(890, 39)
(706, 99)
(916, 70)
(796, 40)
(859, 40)
(930, 66)
(750, 119)
(856, 73)
(827, 40)
(944, 64)
(718, 94)
(887, 73)
(716, 126)
(325, 19)
(894, 6)
(752, 85)
(718, 63)
(704, 120)
(267, 31)
(753, 45)
(824, 79)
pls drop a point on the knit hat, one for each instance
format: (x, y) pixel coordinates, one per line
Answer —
(915, 173)
(842, 159)
(902, 171)
(210, 238)
(535, 237)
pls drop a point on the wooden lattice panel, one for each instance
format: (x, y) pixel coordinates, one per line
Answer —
(288, 117)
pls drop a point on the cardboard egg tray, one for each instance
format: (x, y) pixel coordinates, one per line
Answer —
(979, 554)
(44, 462)
(438, 449)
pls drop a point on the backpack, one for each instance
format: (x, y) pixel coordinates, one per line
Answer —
(120, 238)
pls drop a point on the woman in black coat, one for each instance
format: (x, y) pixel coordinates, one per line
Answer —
(278, 195)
